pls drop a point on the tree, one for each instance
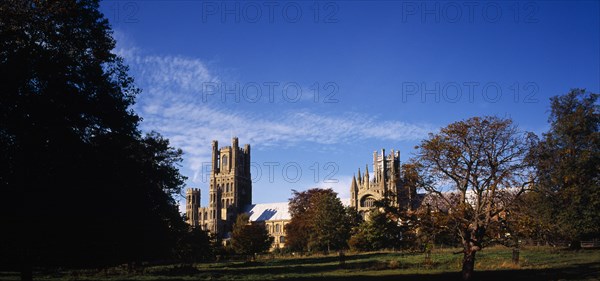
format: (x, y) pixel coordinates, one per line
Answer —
(388, 224)
(519, 222)
(82, 186)
(474, 169)
(568, 161)
(331, 223)
(298, 230)
(430, 226)
(319, 221)
(380, 231)
(410, 184)
(196, 246)
(249, 238)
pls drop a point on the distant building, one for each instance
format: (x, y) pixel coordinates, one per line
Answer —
(274, 216)
(230, 194)
(386, 182)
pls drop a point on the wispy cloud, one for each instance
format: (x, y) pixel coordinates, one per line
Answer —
(192, 126)
(171, 104)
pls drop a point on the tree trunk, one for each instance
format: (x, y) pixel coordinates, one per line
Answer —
(342, 258)
(468, 264)
(515, 256)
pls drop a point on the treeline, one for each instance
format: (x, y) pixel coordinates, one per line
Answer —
(485, 182)
(81, 185)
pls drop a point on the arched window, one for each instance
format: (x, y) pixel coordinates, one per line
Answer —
(205, 215)
(227, 187)
(277, 228)
(367, 201)
(282, 239)
(222, 203)
(224, 161)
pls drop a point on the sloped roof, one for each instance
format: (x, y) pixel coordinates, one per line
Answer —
(274, 211)
(268, 211)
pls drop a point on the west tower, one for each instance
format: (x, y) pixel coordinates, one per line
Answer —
(230, 188)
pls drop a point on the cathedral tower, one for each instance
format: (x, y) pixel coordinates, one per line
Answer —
(385, 181)
(230, 187)
(192, 198)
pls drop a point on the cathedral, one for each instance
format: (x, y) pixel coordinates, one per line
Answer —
(230, 193)
(385, 183)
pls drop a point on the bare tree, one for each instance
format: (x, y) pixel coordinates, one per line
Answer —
(474, 169)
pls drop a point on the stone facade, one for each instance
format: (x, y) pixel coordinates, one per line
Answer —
(192, 206)
(230, 194)
(230, 190)
(386, 181)
(276, 229)
(274, 217)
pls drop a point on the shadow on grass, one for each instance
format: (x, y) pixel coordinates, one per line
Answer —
(178, 270)
(589, 271)
(303, 262)
(327, 259)
(584, 271)
(372, 266)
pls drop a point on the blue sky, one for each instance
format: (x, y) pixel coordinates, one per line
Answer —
(316, 87)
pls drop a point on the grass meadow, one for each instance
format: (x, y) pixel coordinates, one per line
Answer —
(536, 263)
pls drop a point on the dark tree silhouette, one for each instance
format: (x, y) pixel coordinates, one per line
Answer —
(248, 238)
(196, 246)
(80, 184)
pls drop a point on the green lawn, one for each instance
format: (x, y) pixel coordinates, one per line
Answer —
(536, 263)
